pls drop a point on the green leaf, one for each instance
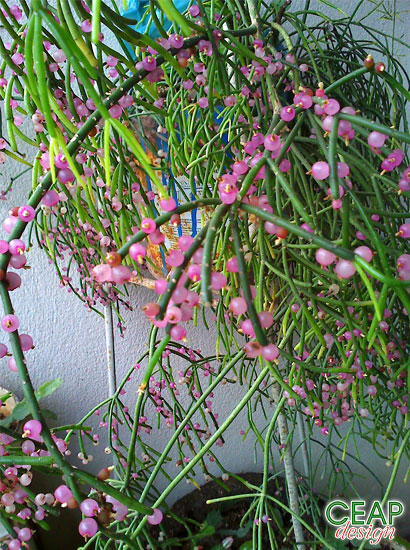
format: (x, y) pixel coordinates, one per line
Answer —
(48, 388)
(6, 422)
(22, 409)
(246, 545)
(4, 397)
(214, 518)
(206, 531)
(243, 531)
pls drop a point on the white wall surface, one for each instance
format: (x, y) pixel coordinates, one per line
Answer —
(70, 342)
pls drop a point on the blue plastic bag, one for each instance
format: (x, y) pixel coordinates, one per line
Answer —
(138, 8)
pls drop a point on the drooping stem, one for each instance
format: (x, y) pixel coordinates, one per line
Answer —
(30, 395)
(141, 392)
(290, 475)
(211, 441)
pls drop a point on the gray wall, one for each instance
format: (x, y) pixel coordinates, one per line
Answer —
(70, 342)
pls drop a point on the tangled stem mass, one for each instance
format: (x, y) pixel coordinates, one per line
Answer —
(255, 165)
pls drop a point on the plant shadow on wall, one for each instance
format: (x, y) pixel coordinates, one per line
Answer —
(249, 165)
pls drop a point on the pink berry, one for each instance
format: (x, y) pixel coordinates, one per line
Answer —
(376, 139)
(9, 223)
(32, 428)
(345, 269)
(12, 365)
(343, 170)
(148, 225)
(20, 495)
(240, 167)
(253, 349)
(218, 280)
(348, 111)
(285, 165)
(331, 106)
(13, 280)
(173, 315)
(270, 352)
(194, 273)
(63, 494)
(303, 100)
(176, 41)
(272, 142)
(179, 295)
(238, 306)
(175, 258)
(287, 114)
(178, 333)
(185, 242)
(324, 257)
(203, 102)
(137, 252)
(26, 342)
(50, 198)
(228, 198)
(4, 246)
(86, 26)
(404, 185)
(115, 111)
(25, 534)
(89, 507)
(160, 286)
(247, 328)
(151, 309)
(120, 274)
(149, 63)
(88, 527)
(403, 262)
(404, 231)
(16, 246)
(26, 213)
(7, 499)
(18, 261)
(168, 205)
(156, 237)
(194, 10)
(365, 253)
(320, 170)
(232, 265)
(28, 447)
(327, 123)
(102, 273)
(10, 323)
(156, 517)
(266, 319)
(307, 228)
(3, 350)
(65, 176)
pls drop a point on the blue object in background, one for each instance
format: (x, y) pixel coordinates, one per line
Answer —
(137, 9)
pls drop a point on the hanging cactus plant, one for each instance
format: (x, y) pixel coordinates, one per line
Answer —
(249, 164)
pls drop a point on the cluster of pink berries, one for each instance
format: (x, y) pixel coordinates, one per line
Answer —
(15, 499)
